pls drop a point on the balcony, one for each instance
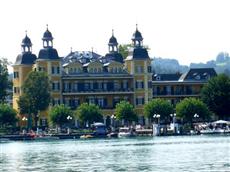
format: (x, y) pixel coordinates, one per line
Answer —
(96, 91)
(176, 94)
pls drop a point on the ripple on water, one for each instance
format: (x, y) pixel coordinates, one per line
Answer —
(196, 153)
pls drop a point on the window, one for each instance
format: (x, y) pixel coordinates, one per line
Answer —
(139, 84)
(75, 86)
(56, 101)
(56, 70)
(139, 69)
(91, 101)
(16, 75)
(125, 84)
(66, 86)
(116, 85)
(149, 69)
(101, 102)
(140, 101)
(16, 90)
(55, 86)
(99, 85)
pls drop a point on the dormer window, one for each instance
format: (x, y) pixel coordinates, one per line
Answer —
(197, 77)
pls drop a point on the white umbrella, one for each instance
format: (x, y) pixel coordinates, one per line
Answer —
(221, 122)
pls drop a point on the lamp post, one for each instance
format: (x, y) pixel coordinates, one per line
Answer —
(156, 126)
(24, 119)
(69, 118)
(173, 121)
(157, 116)
(113, 118)
(196, 116)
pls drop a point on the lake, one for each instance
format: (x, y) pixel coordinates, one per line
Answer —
(179, 153)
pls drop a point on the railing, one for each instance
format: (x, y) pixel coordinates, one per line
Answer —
(95, 90)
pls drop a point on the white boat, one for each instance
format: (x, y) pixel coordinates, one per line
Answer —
(215, 131)
(125, 132)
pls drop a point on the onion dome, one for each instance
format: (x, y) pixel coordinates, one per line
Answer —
(26, 41)
(47, 35)
(113, 40)
(137, 35)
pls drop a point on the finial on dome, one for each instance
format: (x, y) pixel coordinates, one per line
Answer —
(112, 32)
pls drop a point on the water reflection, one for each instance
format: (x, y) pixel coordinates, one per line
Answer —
(192, 153)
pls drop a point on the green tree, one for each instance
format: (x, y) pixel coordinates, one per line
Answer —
(188, 107)
(88, 113)
(36, 94)
(7, 115)
(158, 106)
(216, 94)
(4, 83)
(125, 111)
(124, 49)
(58, 115)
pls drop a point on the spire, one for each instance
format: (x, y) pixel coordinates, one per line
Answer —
(26, 44)
(47, 38)
(112, 43)
(137, 38)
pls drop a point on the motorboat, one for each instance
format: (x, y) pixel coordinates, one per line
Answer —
(125, 132)
(87, 136)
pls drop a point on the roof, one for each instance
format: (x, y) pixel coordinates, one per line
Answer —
(138, 53)
(47, 35)
(137, 35)
(81, 56)
(25, 58)
(48, 53)
(26, 41)
(113, 41)
(198, 74)
(166, 77)
(114, 56)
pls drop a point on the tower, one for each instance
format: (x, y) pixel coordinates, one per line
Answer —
(138, 63)
(113, 53)
(23, 65)
(48, 61)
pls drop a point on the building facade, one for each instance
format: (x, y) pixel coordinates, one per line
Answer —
(85, 76)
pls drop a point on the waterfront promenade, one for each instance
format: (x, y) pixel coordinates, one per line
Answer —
(179, 153)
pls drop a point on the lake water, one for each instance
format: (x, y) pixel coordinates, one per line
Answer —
(181, 153)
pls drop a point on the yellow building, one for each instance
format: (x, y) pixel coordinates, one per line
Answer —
(85, 76)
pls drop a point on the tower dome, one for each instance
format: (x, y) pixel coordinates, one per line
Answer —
(26, 57)
(137, 38)
(47, 35)
(26, 41)
(48, 52)
(113, 40)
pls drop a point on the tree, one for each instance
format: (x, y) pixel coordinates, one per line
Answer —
(158, 106)
(59, 115)
(88, 113)
(7, 115)
(36, 94)
(216, 94)
(188, 107)
(124, 49)
(125, 111)
(4, 83)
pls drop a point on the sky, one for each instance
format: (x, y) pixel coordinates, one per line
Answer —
(187, 30)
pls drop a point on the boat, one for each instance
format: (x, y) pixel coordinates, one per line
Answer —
(215, 131)
(112, 135)
(87, 136)
(125, 132)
